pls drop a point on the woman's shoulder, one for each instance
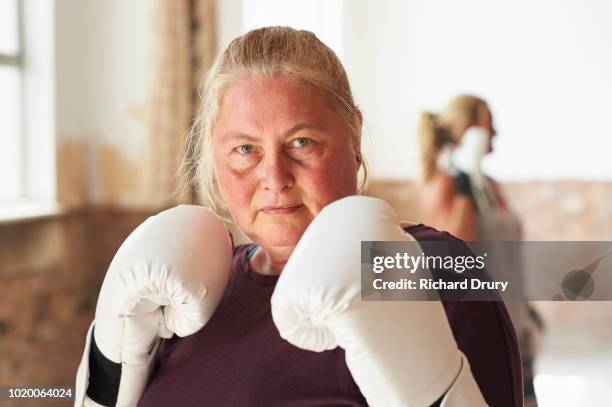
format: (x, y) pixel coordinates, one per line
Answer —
(444, 184)
(242, 250)
(240, 260)
(482, 329)
(242, 267)
(440, 179)
(422, 232)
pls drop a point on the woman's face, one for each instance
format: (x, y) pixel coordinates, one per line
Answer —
(280, 154)
(484, 119)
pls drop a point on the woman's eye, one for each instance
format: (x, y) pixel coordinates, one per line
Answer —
(301, 142)
(245, 149)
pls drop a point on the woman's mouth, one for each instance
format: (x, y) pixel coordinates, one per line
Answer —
(281, 209)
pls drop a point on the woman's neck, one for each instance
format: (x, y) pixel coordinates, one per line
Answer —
(264, 262)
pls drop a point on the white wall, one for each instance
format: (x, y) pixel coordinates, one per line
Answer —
(103, 73)
(323, 17)
(543, 66)
(39, 121)
(229, 21)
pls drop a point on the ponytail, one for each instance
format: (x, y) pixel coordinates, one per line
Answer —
(432, 137)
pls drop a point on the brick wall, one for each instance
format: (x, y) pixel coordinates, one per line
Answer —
(50, 273)
(562, 210)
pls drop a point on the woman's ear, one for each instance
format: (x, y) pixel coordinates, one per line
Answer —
(482, 115)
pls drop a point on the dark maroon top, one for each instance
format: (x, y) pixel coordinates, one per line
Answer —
(239, 359)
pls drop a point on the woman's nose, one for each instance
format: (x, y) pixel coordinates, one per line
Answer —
(277, 173)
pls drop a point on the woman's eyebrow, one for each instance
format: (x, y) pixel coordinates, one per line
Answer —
(301, 126)
(233, 136)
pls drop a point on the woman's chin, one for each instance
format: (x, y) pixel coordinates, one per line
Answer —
(281, 234)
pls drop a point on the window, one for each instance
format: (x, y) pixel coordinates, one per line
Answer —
(11, 138)
(27, 109)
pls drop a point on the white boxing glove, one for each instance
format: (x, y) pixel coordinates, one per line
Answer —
(167, 278)
(400, 353)
(467, 156)
(469, 152)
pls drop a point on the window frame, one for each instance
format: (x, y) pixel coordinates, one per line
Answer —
(15, 60)
(35, 60)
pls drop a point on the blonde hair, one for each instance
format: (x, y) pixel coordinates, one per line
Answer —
(437, 130)
(265, 52)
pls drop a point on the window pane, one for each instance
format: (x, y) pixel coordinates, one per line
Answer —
(10, 133)
(8, 27)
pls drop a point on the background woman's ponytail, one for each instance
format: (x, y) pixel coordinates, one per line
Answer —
(436, 130)
(432, 137)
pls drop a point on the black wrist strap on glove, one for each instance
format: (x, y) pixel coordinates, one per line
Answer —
(104, 376)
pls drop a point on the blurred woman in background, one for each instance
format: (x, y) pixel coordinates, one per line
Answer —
(460, 199)
(457, 196)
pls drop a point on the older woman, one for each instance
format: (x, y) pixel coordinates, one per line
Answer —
(278, 139)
